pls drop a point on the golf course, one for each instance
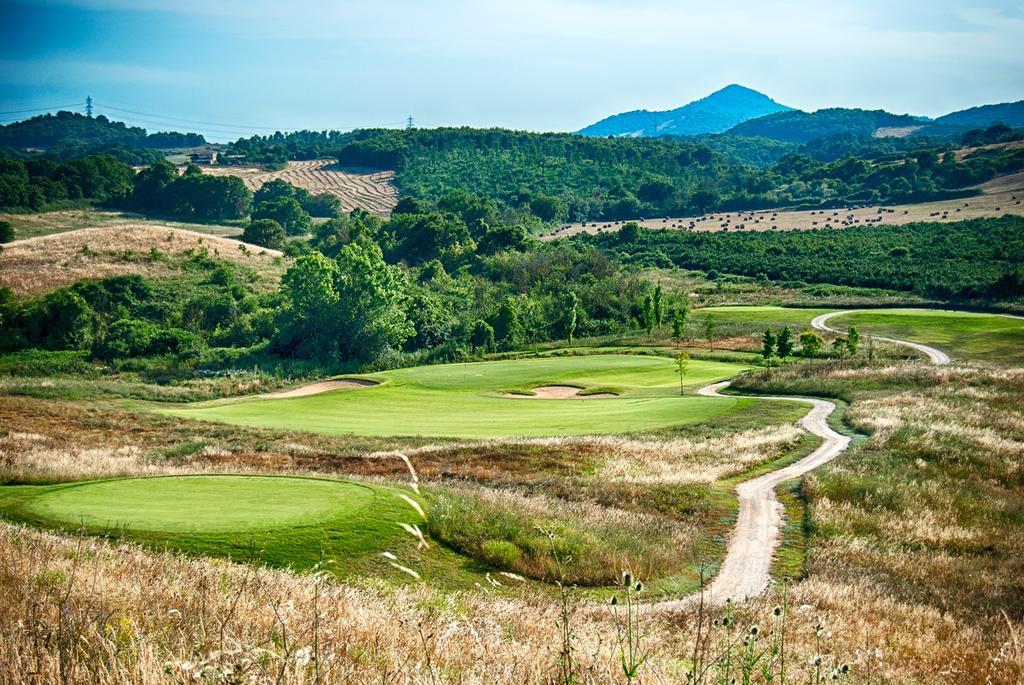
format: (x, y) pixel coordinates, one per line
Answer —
(280, 520)
(496, 399)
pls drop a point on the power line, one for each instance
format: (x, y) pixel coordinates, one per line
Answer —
(42, 109)
(236, 127)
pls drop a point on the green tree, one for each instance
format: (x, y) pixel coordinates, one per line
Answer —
(66, 321)
(371, 299)
(570, 311)
(629, 232)
(308, 323)
(710, 331)
(767, 345)
(508, 326)
(682, 367)
(6, 232)
(647, 313)
(784, 342)
(482, 336)
(811, 343)
(853, 341)
(287, 212)
(679, 324)
(265, 233)
(659, 307)
(841, 346)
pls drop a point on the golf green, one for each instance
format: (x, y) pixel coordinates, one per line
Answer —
(466, 400)
(961, 335)
(202, 503)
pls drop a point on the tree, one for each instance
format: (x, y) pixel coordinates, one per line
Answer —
(570, 307)
(659, 307)
(6, 232)
(371, 302)
(767, 345)
(287, 212)
(508, 327)
(784, 343)
(265, 233)
(853, 341)
(648, 313)
(682, 367)
(482, 336)
(679, 324)
(710, 331)
(811, 343)
(840, 346)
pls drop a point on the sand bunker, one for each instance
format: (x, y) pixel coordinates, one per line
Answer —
(560, 392)
(322, 386)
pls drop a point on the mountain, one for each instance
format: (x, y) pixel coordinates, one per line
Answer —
(956, 123)
(796, 126)
(715, 113)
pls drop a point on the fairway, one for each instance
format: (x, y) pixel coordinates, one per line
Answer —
(964, 336)
(202, 503)
(756, 318)
(464, 400)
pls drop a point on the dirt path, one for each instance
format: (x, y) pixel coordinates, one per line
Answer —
(745, 570)
(935, 356)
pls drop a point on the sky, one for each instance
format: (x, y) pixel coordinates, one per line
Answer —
(229, 68)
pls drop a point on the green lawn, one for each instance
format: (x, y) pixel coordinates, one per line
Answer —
(278, 520)
(464, 400)
(753, 319)
(982, 337)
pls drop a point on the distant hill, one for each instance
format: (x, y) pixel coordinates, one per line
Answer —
(715, 113)
(795, 126)
(69, 130)
(956, 123)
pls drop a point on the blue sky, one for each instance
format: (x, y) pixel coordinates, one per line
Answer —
(251, 66)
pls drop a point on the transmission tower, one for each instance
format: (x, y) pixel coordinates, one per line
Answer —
(88, 106)
(408, 122)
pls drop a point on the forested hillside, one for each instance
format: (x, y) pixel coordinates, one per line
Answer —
(67, 134)
(983, 258)
(802, 127)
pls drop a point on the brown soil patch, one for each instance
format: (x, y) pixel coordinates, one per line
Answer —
(1000, 196)
(369, 189)
(560, 392)
(43, 263)
(322, 386)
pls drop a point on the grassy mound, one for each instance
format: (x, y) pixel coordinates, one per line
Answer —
(278, 520)
(465, 400)
(963, 336)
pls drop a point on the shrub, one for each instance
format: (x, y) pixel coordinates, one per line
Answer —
(265, 233)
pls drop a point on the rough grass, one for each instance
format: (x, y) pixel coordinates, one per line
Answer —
(43, 263)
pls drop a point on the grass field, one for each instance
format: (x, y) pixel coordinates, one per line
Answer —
(283, 521)
(464, 400)
(35, 265)
(981, 337)
(756, 317)
(999, 198)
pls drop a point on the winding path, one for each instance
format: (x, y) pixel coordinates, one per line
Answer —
(748, 558)
(936, 356)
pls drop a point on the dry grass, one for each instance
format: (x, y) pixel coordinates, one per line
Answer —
(39, 264)
(918, 552)
(369, 189)
(997, 200)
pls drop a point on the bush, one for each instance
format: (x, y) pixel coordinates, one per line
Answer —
(265, 233)
(6, 232)
(127, 338)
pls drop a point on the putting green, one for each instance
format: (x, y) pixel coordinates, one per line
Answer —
(464, 400)
(202, 503)
(961, 335)
(279, 520)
